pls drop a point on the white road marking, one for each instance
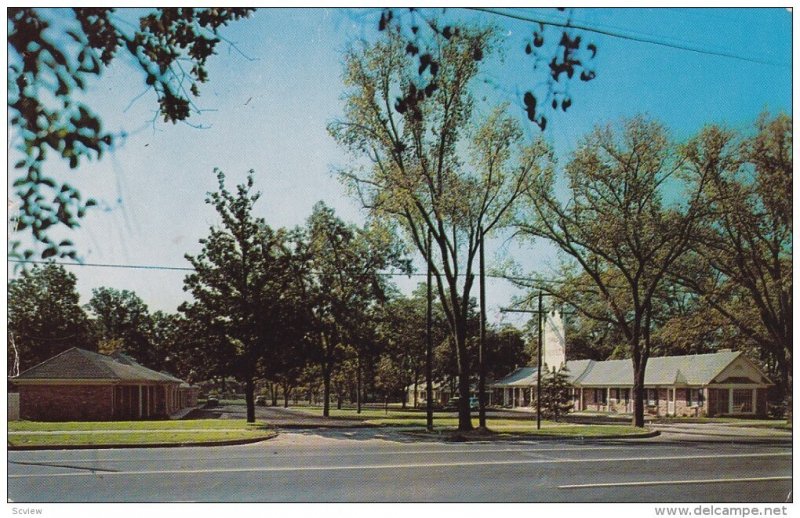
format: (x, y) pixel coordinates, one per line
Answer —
(273, 469)
(672, 482)
(343, 454)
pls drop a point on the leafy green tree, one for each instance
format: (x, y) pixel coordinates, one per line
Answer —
(53, 55)
(388, 379)
(345, 266)
(556, 393)
(44, 317)
(122, 323)
(505, 349)
(416, 174)
(205, 351)
(741, 262)
(617, 228)
(239, 283)
(402, 331)
(166, 334)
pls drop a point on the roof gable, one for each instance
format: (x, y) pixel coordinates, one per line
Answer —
(741, 370)
(522, 376)
(76, 363)
(695, 369)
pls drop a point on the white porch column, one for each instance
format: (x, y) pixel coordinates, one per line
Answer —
(675, 401)
(730, 400)
(608, 398)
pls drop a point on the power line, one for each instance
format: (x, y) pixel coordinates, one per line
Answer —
(103, 265)
(509, 278)
(630, 37)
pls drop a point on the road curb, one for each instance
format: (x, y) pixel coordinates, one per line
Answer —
(231, 442)
(454, 437)
(328, 426)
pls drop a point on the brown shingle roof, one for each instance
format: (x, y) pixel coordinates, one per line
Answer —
(78, 363)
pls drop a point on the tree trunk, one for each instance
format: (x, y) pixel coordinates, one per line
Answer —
(286, 392)
(249, 389)
(274, 393)
(416, 386)
(464, 417)
(326, 389)
(327, 359)
(358, 384)
(789, 388)
(638, 393)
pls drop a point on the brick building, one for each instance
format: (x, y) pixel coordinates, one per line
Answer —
(80, 385)
(721, 383)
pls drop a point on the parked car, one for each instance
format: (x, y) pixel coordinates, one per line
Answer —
(453, 403)
(211, 402)
(261, 400)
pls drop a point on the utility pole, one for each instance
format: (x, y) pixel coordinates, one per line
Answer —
(482, 342)
(539, 313)
(429, 345)
(539, 370)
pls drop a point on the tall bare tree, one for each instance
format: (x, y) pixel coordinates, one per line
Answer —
(429, 166)
(741, 263)
(618, 228)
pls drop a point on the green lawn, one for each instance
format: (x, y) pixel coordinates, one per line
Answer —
(133, 432)
(188, 424)
(520, 426)
(448, 422)
(371, 413)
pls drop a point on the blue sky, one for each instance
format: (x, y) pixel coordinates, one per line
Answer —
(268, 102)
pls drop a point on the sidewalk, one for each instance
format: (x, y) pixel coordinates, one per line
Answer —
(98, 432)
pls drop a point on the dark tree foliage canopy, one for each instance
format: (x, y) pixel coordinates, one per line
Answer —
(50, 61)
(44, 317)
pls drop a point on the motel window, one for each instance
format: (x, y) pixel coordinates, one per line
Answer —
(652, 396)
(623, 394)
(743, 401)
(694, 397)
(615, 394)
(600, 395)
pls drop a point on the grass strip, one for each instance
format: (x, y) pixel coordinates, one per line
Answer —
(166, 425)
(166, 437)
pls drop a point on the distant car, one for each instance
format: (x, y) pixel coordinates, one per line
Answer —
(212, 402)
(453, 403)
(261, 400)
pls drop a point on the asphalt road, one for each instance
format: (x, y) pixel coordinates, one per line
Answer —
(375, 465)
